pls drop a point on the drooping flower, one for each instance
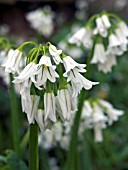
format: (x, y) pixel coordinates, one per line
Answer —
(106, 21)
(98, 114)
(43, 124)
(112, 113)
(49, 107)
(99, 55)
(72, 73)
(86, 117)
(107, 65)
(78, 37)
(12, 62)
(87, 41)
(29, 102)
(55, 53)
(46, 71)
(73, 99)
(35, 102)
(113, 41)
(100, 27)
(98, 136)
(30, 70)
(122, 26)
(3, 74)
(26, 101)
(84, 35)
(64, 101)
(69, 64)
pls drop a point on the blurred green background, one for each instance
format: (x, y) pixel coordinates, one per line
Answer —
(112, 153)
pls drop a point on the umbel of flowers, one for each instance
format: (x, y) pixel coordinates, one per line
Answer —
(97, 114)
(106, 35)
(49, 83)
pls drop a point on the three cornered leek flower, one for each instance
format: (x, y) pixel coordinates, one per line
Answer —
(72, 73)
(46, 71)
(55, 53)
(98, 114)
(103, 26)
(49, 84)
(64, 101)
(49, 106)
(12, 62)
(82, 36)
(99, 54)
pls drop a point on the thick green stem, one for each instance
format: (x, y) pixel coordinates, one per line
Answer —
(14, 117)
(33, 147)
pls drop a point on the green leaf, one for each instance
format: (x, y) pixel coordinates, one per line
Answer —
(14, 161)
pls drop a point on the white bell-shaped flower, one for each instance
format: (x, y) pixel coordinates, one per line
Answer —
(69, 64)
(98, 127)
(34, 108)
(113, 41)
(30, 70)
(113, 113)
(99, 55)
(72, 73)
(46, 72)
(49, 107)
(107, 65)
(12, 62)
(64, 101)
(43, 124)
(87, 40)
(124, 28)
(100, 28)
(55, 53)
(98, 114)
(78, 37)
(106, 21)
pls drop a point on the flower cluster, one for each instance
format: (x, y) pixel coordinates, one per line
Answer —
(49, 83)
(44, 24)
(96, 115)
(106, 35)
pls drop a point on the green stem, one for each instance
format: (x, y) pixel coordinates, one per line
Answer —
(73, 143)
(26, 43)
(14, 117)
(24, 142)
(33, 147)
(72, 154)
(86, 152)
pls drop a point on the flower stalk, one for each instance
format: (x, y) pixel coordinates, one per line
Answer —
(14, 117)
(33, 147)
(72, 154)
(71, 159)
